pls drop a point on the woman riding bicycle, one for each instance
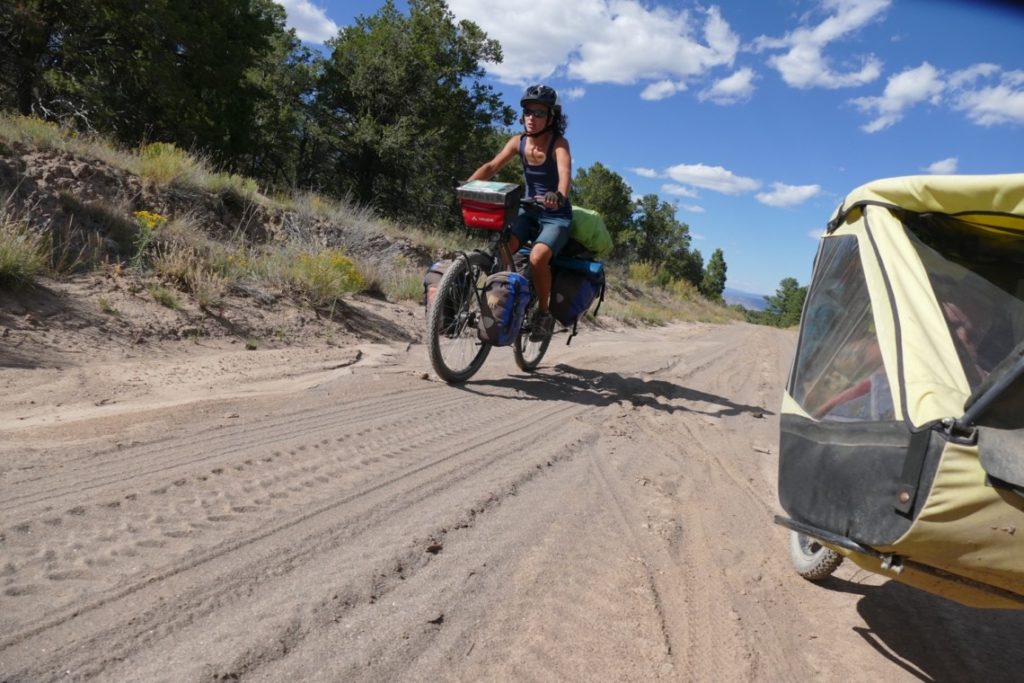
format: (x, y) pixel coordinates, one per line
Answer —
(547, 167)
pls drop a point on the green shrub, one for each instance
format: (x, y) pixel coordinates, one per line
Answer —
(325, 277)
(162, 162)
(684, 290)
(643, 273)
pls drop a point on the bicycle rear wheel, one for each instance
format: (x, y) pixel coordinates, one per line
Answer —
(456, 353)
(528, 354)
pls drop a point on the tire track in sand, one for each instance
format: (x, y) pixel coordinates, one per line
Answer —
(436, 471)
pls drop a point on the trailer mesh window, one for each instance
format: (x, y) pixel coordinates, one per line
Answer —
(838, 374)
(976, 269)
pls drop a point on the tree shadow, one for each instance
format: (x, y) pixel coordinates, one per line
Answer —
(934, 639)
(594, 388)
(366, 324)
(22, 309)
(945, 640)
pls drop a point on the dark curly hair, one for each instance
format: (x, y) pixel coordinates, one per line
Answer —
(560, 123)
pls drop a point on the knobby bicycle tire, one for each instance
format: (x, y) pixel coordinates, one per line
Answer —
(456, 352)
(528, 354)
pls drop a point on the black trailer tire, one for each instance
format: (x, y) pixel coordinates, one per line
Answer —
(812, 560)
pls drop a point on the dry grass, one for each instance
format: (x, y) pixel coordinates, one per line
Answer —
(164, 296)
(397, 281)
(23, 251)
(186, 257)
(166, 164)
(634, 298)
(29, 130)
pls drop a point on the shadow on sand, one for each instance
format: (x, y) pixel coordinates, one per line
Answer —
(935, 639)
(590, 387)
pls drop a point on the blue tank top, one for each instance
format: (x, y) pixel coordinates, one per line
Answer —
(543, 177)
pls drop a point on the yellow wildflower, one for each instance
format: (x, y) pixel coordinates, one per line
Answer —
(149, 220)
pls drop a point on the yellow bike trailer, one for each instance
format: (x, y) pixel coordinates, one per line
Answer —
(902, 424)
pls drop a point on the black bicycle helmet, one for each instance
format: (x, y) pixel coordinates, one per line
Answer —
(544, 94)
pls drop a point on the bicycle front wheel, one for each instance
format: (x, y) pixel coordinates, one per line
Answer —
(528, 353)
(456, 352)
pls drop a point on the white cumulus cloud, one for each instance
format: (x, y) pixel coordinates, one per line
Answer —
(735, 88)
(788, 195)
(804, 64)
(713, 178)
(679, 191)
(693, 208)
(573, 93)
(998, 103)
(986, 93)
(637, 43)
(904, 90)
(310, 22)
(965, 77)
(662, 89)
(645, 172)
(943, 166)
(601, 41)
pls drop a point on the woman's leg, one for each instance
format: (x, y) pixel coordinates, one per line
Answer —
(554, 233)
(540, 266)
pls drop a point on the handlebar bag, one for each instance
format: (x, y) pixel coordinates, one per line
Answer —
(502, 306)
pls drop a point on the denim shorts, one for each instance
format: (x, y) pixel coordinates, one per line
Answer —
(550, 230)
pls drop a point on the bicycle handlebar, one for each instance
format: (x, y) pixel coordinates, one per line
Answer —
(536, 202)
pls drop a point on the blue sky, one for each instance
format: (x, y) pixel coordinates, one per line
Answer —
(756, 117)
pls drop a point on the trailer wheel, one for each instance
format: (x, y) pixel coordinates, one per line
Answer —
(812, 560)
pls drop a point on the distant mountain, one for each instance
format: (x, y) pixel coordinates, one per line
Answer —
(748, 300)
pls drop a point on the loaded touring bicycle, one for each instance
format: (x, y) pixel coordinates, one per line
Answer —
(902, 425)
(484, 298)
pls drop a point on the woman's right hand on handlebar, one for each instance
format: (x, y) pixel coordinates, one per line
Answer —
(552, 200)
(549, 201)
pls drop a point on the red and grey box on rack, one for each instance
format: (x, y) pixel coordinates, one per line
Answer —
(488, 205)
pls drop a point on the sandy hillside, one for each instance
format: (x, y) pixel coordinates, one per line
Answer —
(326, 510)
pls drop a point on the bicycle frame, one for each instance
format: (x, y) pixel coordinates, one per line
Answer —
(455, 351)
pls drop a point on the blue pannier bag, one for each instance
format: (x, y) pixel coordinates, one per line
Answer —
(502, 306)
(576, 283)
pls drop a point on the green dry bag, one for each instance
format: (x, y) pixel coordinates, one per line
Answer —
(588, 229)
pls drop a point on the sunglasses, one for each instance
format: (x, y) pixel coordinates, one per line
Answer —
(536, 113)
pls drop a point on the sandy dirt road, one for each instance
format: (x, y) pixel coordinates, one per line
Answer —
(336, 514)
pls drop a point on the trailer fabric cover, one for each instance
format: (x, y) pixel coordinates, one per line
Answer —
(935, 384)
(966, 524)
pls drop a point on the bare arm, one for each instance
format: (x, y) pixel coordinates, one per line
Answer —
(491, 168)
(856, 391)
(564, 161)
